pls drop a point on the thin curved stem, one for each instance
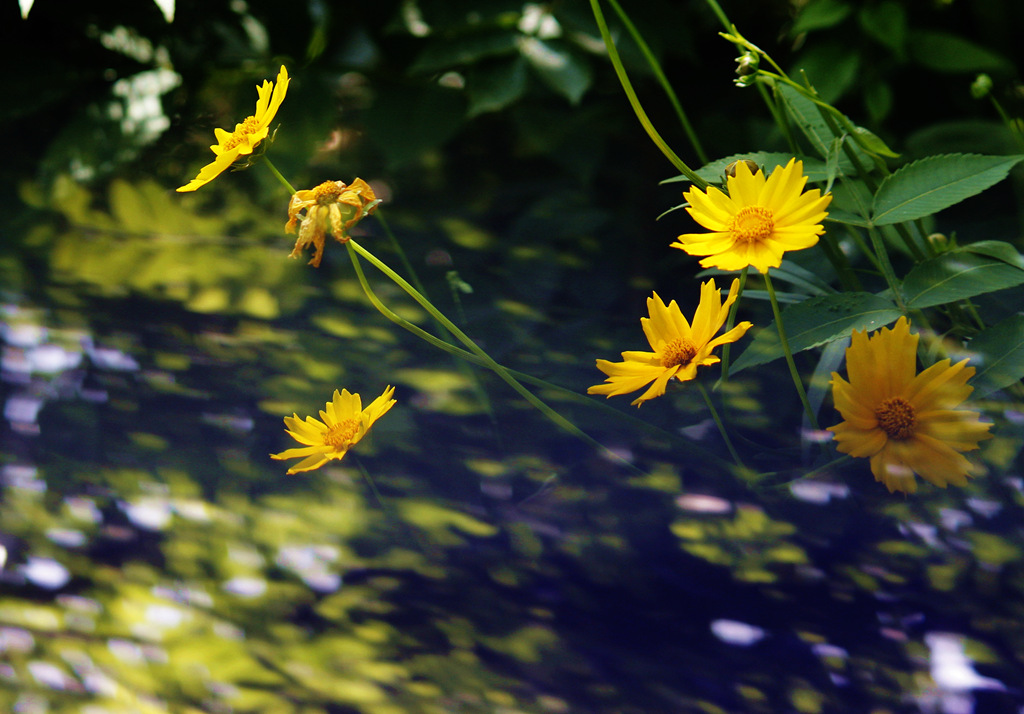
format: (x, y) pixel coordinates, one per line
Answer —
(524, 377)
(634, 101)
(730, 321)
(662, 80)
(784, 341)
(279, 175)
(721, 426)
(356, 250)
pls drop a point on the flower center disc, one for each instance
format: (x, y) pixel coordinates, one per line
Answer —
(896, 418)
(328, 192)
(678, 352)
(249, 126)
(341, 433)
(752, 224)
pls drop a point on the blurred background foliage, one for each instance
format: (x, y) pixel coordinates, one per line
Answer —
(157, 560)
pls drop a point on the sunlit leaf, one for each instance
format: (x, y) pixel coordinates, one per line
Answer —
(957, 275)
(817, 321)
(934, 183)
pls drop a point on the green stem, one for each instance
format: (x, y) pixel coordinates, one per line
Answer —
(887, 272)
(279, 175)
(397, 247)
(720, 425)
(720, 14)
(662, 80)
(523, 377)
(620, 71)
(730, 321)
(1008, 121)
(357, 250)
(784, 341)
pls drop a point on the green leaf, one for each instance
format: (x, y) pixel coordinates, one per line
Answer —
(887, 23)
(850, 219)
(873, 143)
(493, 86)
(998, 353)
(927, 186)
(558, 65)
(944, 52)
(997, 249)
(818, 321)
(814, 169)
(832, 67)
(806, 115)
(820, 15)
(456, 51)
(956, 275)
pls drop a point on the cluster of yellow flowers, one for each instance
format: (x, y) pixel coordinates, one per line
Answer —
(334, 206)
(904, 422)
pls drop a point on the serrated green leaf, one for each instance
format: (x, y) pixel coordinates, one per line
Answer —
(998, 353)
(931, 184)
(818, 321)
(956, 275)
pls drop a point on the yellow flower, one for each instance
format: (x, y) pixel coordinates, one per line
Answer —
(905, 422)
(343, 422)
(679, 347)
(331, 203)
(758, 221)
(246, 135)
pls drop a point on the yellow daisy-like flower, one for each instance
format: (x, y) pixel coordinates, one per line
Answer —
(678, 347)
(905, 422)
(343, 422)
(247, 134)
(758, 221)
(332, 203)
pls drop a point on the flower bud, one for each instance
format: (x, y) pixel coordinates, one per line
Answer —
(981, 87)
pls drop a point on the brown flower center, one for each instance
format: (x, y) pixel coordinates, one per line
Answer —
(678, 352)
(752, 224)
(341, 433)
(896, 418)
(250, 126)
(328, 192)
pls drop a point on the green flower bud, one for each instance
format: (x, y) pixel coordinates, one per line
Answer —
(981, 86)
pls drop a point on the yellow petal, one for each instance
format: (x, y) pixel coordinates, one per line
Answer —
(210, 171)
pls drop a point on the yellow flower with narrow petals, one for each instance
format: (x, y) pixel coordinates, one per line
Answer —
(332, 204)
(678, 347)
(343, 422)
(905, 422)
(247, 134)
(758, 221)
